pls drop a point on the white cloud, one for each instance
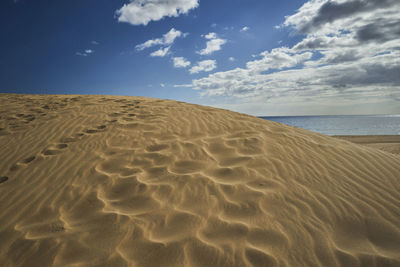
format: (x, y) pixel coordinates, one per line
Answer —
(231, 59)
(85, 53)
(350, 54)
(278, 58)
(182, 85)
(94, 42)
(213, 44)
(180, 62)
(166, 39)
(141, 12)
(245, 29)
(170, 36)
(162, 85)
(162, 52)
(205, 65)
(211, 35)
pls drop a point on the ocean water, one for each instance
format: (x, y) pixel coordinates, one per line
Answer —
(345, 125)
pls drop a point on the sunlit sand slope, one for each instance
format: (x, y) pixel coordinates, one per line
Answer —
(128, 181)
(389, 143)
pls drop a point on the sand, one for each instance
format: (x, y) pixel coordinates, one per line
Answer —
(389, 143)
(130, 181)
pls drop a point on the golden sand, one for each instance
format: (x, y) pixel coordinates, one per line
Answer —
(389, 143)
(129, 181)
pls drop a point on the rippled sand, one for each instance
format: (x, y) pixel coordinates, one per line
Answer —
(129, 181)
(389, 143)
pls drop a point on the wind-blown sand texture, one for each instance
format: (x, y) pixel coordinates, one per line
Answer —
(389, 143)
(129, 181)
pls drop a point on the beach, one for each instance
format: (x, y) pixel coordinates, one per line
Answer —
(94, 180)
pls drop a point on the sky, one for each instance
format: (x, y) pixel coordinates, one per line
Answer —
(261, 57)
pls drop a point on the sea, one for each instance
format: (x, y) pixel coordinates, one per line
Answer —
(345, 124)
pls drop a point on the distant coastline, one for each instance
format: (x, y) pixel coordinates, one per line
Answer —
(343, 124)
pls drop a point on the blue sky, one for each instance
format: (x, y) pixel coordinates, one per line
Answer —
(253, 56)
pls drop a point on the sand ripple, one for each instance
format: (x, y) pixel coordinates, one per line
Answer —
(128, 181)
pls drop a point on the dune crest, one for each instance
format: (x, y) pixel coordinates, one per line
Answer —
(131, 181)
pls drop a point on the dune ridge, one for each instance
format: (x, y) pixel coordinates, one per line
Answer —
(133, 181)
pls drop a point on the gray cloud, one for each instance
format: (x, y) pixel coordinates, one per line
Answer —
(355, 57)
(379, 31)
(375, 73)
(331, 11)
(346, 56)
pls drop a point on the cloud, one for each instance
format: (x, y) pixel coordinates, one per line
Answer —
(162, 85)
(245, 29)
(349, 53)
(180, 62)
(213, 44)
(322, 81)
(85, 53)
(182, 85)
(205, 65)
(94, 42)
(141, 12)
(317, 13)
(278, 58)
(231, 59)
(211, 35)
(379, 31)
(162, 52)
(166, 39)
(329, 16)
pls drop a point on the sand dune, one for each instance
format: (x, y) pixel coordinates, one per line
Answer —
(130, 181)
(389, 143)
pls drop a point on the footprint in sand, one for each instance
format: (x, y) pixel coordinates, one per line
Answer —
(54, 149)
(3, 179)
(23, 163)
(96, 129)
(28, 160)
(15, 167)
(26, 117)
(127, 119)
(91, 131)
(115, 114)
(3, 132)
(157, 147)
(61, 146)
(71, 139)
